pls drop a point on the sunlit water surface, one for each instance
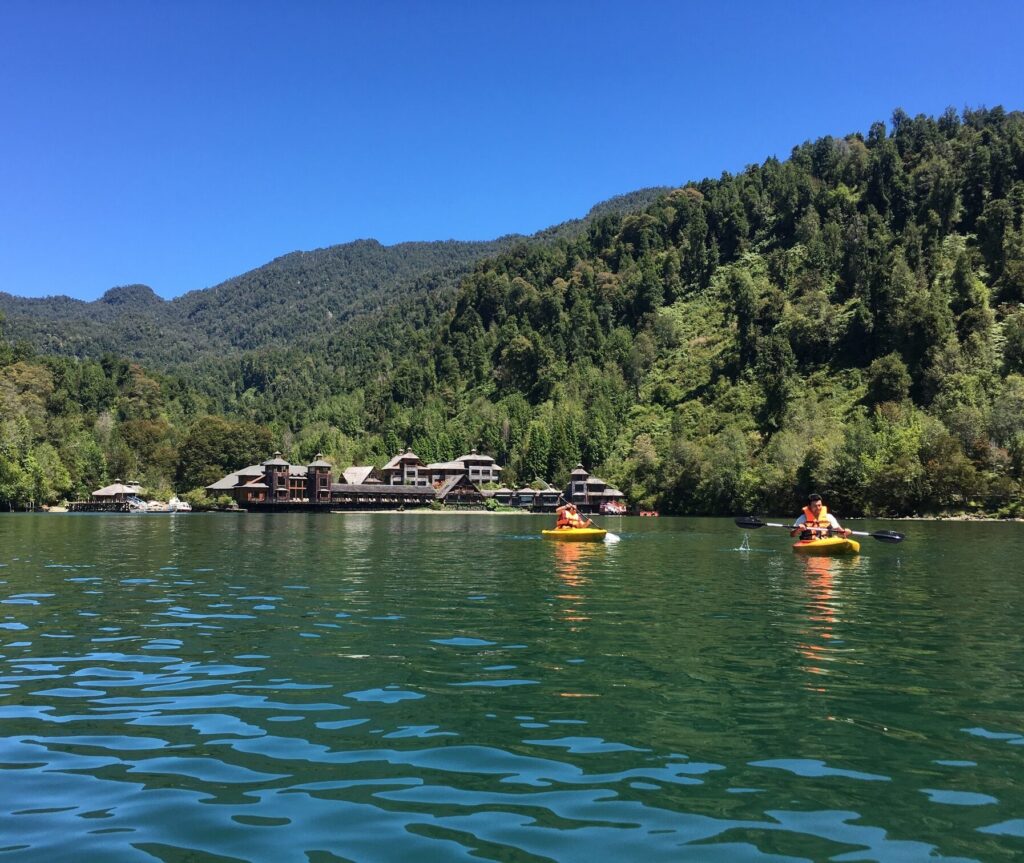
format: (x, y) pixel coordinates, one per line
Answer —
(454, 688)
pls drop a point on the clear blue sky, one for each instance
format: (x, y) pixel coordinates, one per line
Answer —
(180, 143)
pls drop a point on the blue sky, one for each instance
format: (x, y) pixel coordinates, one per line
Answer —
(178, 144)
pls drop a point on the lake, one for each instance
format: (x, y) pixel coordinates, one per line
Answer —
(433, 687)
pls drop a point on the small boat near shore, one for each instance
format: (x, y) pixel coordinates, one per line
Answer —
(158, 507)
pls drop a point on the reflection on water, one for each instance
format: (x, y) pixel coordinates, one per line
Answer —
(571, 562)
(436, 688)
(823, 606)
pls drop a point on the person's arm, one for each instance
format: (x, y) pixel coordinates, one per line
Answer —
(798, 524)
(836, 526)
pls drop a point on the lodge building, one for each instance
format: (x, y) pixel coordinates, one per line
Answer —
(404, 482)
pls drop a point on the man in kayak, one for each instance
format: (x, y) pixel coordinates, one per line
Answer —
(569, 517)
(816, 521)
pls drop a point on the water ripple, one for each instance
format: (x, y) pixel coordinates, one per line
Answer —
(428, 688)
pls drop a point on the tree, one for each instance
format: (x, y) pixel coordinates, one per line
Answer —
(742, 299)
(10, 479)
(47, 475)
(974, 318)
(538, 451)
(723, 486)
(776, 372)
(565, 448)
(888, 380)
(1013, 347)
(216, 446)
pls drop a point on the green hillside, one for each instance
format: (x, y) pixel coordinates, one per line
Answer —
(849, 320)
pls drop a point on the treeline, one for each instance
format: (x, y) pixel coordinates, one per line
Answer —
(70, 426)
(849, 320)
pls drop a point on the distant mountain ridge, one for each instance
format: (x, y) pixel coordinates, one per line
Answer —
(295, 299)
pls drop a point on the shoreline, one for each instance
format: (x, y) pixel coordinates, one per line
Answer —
(427, 511)
(986, 518)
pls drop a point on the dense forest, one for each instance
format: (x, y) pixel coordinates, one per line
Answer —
(849, 320)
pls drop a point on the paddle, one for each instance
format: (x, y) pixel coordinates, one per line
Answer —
(753, 523)
(608, 536)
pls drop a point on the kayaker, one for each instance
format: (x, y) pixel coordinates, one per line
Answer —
(816, 521)
(567, 516)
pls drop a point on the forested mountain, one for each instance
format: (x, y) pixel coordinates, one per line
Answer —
(849, 320)
(293, 301)
(286, 302)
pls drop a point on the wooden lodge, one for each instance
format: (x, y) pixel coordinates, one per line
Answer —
(405, 482)
(278, 486)
(591, 494)
(408, 469)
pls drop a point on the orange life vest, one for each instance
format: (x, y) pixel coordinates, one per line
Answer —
(820, 521)
(567, 519)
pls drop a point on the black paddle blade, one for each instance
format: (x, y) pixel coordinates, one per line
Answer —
(749, 522)
(888, 536)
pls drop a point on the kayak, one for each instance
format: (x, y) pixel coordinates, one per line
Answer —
(576, 534)
(827, 545)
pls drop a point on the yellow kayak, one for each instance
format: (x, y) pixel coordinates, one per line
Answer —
(827, 545)
(576, 534)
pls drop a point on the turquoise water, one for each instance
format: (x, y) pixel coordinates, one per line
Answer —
(452, 687)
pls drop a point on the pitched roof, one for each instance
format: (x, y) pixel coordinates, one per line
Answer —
(446, 465)
(452, 482)
(224, 483)
(237, 478)
(475, 456)
(398, 459)
(357, 474)
(117, 488)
